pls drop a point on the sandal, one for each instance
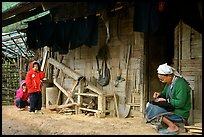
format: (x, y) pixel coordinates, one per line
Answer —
(165, 131)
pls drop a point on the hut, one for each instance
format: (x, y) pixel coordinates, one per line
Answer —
(107, 52)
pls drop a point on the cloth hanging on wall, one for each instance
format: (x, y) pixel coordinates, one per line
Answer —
(84, 31)
(40, 33)
(32, 37)
(145, 16)
(46, 34)
(62, 36)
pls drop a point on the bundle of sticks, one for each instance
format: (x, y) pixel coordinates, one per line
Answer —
(195, 129)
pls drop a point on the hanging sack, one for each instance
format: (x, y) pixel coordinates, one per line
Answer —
(104, 73)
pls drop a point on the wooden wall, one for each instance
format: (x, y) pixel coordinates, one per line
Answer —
(83, 59)
(188, 58)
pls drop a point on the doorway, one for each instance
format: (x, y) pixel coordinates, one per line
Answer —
(159, 49)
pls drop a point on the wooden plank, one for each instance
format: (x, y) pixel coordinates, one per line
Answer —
(195, 131)
(63, 90)
(76, 83)
(54, 107)
(87, 94)
(126, 71)
(193, 127)
(62, 80)
(65, 69)
(116, 104)
(67, 105)
(44, 58)
(134, 104)
(101, 103)
(94, 88)
(86, 109)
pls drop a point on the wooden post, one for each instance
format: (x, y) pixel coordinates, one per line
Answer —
(115, 102)
(20, 67)
(59, 94)
(101, 103)
(79, 98)
(44, 58)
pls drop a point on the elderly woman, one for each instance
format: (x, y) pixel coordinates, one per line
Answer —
(173, 104)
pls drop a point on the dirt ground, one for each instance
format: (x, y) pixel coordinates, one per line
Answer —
(16, 122)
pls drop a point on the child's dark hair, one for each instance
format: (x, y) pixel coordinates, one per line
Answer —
(24, 84)
(37, 64)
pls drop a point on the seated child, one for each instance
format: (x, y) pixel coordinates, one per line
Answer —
(22, 100)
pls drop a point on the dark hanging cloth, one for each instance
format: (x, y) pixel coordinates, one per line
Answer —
(92, 25)
(169, 17)
(84, 31)
(46, 34)
(190, 15)
(62, 36)
(40, 33)
(149, 18)
(174, 11)
(145, 16)
(32, 36)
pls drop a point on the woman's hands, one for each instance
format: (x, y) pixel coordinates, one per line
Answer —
(155, 96)
(159, 99)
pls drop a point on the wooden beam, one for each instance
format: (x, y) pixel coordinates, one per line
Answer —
(63, 90)
(94, 88)
(67, 105)
(72, 90)
(54, 107)
(101, 103)
(116, 103)
(44, 58)
(195, 131)
(59, 94)
(86, 109)
(71, 73)
(21, 16)
(20, 8)
(87, 94)
(193, 127)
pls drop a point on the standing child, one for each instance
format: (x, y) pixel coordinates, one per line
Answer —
(22, 97)
(34, 84)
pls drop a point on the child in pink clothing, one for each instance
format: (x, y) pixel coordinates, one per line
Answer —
(22, 100)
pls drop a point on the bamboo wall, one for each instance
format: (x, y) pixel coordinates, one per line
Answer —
(10, 82)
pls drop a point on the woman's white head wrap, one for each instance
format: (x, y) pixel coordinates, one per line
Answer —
(166, 69)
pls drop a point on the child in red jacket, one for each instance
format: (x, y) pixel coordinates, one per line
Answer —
(34, 84)
(22, 97)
